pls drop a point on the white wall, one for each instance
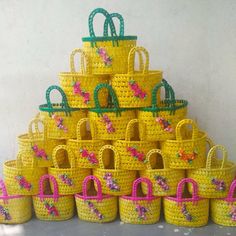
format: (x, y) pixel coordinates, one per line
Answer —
(193, 41)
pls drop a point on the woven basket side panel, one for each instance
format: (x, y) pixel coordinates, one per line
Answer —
(130, 213)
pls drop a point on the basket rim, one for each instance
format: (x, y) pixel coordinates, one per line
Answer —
(26, 168)
(56, 107)
(138, 74)
(150, 171)
(104, 196)
(110, 110)
(75, 74)
(112, 170)
(232, 166)
(133, 199)
(182, 200)
(15, 196)
(90, 141)
(25, 137)
(109, 38)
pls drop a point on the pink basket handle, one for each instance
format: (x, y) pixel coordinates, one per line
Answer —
(149, 187)
(3, 188)
(55, 187)
(99, 187)
(180, 188)
(230, 196)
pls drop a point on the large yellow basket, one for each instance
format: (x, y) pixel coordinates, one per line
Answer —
(52, 206)
(188, 150)
(85, 149)
(215, 178)
(133, 153)
(79, 86)
(20, 179)
(60, 118)
(162, 117)
(98, 208)
(142, 210)
(36, 145)
(188, 212)
(109, 123)
(68, 176)
(115, 181)
(164, 180)
(134, 89)
(223, 210)
(108, 54)
(14, 209)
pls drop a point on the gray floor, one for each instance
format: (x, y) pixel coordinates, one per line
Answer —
(117, 228)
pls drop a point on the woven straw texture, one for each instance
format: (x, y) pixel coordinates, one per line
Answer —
(108, 54)
(20, 179)
(133, 153)
(164, 180)
(114, 181)
(215, 178)
(69, 177)
(36, 145)
(163, 116)
(134, 89)
(79, 86)
(85, 149)
(223, 211)
(188, 212)
(140, 210)
(97, 208)
(60, 119)
(14, 209)
(188, 150)
(109, 123)
(53, 207)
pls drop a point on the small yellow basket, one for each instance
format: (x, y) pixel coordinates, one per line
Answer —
(114, 181)
(223, 211)
(133, 153)
(60, 118)
(188, 150)
(14, 209)
(52, 207)
(215, 178)
(37, 145)
(69, 177)
(140, 210)
(79, 86)
(187, 212)
(134, 89)
(164, 180)
(85, 149)
(109, 123)
(20, 179)
(96, 208)
(162, 117)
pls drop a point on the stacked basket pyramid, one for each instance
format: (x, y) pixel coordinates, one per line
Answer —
(115, 141)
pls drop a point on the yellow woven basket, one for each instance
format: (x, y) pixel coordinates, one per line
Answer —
(223, 211)
(14, 209)
(187, 212)
(52, 207)
(142, 210)
(109, 123)
(133, 153)
(134, 89)
(164, 180)
(85, 150)
(79, 86)
(69, 177)
(114, 180)
(36, 144)
(95, 208)
(162, 117)
(60, 119)
(108, 54)
(188, 150)
(20, 179)
(215, 178)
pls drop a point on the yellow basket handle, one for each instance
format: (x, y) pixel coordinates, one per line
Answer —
(70, 154)
(211, 154)
(141, 51)
(36, 135)
(131, 125)
(78, 127)
(116, 156)
(83, 57)
(20, 157)
(153, 151)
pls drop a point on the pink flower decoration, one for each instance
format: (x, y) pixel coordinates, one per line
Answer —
(59, 122)
(78, 91)
(91, 157)
(107, 60)
(23, 182)
(109, 127)
(140, 156)
(165, 124)
(137, 90)
(40, 153)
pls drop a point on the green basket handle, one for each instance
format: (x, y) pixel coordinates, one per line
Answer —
(120, 18)
(113, 99)
(64, 104)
